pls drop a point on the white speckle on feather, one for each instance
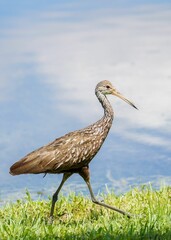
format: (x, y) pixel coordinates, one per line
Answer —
(58, 165)
(73, 150)
(68, 140)
(85, 152)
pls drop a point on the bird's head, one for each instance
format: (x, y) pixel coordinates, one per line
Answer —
(105, 87)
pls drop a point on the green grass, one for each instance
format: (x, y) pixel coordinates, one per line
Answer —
(76, 217)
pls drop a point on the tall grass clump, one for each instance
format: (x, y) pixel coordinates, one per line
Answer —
(76, 217)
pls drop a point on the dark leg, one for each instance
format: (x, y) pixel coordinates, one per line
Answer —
(85, 174)
(55, 195)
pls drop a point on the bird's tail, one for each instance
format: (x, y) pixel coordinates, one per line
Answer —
(18, 168)
(24, 167)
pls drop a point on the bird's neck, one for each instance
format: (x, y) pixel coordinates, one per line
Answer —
(108, 110)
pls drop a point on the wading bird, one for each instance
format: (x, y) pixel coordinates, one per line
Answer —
(73, 152)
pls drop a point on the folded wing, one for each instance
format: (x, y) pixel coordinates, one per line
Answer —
(69, 152)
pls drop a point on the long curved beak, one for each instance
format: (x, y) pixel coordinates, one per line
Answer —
(118, 94)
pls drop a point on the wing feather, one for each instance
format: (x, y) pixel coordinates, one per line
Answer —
(65, 153)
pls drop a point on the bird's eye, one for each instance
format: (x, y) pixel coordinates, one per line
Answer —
(107, 86)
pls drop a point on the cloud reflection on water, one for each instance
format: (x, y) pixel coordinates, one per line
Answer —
(51, 61)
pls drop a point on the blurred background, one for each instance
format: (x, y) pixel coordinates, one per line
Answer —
(52, 55)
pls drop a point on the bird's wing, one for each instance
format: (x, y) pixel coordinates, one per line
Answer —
(65, 153)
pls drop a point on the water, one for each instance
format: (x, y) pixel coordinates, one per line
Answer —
(52, 57)
(106, 175)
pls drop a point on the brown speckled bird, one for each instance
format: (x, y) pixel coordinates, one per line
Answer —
(73, 152)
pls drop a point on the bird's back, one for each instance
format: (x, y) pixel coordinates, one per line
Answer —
(67, 153)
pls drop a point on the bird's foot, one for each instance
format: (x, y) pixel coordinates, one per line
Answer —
(50, 220)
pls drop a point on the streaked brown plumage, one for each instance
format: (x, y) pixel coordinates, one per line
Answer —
(73, 152)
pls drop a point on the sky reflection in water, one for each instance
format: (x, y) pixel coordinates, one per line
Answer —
(52, 57)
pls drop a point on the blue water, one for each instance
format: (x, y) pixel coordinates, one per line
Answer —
(52, 56)
(110, 171)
